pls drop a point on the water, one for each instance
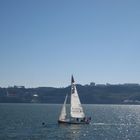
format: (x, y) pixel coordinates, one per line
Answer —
(109, 122)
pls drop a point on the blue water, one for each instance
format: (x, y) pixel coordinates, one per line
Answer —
(109, 122)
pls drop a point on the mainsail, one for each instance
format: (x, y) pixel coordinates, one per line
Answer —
(76, 108)
(63, 111)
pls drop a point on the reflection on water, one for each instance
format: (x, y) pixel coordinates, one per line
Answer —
(109, 122)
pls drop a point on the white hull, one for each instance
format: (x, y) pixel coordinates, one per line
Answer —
(72, 122)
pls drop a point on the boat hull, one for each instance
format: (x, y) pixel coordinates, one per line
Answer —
(72, 122)
(63, 121)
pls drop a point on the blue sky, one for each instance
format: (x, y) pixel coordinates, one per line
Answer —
(43, 42)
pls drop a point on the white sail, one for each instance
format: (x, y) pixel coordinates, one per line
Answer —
(63, 110)
(76, 108)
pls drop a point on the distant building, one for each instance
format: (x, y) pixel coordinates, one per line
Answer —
(107, 84)
(35, 95)
(10, 94)
(131, 84)
(100, 85)
(19, 86)
(35, 98)
(92, 84)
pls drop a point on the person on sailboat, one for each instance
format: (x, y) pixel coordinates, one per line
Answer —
(77, 119)
(88, 120)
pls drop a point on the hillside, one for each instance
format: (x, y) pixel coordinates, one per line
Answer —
(89, 94)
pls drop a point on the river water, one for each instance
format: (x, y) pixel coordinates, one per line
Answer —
(109, 122)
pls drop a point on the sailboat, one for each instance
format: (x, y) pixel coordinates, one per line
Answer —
(76, 114)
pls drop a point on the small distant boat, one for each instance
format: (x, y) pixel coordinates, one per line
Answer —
(76, 115)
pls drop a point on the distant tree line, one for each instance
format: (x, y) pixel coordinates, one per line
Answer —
(89, 94)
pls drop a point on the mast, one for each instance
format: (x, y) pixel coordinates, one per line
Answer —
(76, 110)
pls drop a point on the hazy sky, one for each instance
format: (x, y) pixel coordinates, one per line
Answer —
(43, 42)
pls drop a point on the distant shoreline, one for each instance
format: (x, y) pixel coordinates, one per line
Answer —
(89, 94)
(62, 103)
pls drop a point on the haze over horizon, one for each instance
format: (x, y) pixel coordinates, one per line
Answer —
(44, 42)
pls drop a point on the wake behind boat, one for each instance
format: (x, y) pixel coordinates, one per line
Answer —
(77, 115)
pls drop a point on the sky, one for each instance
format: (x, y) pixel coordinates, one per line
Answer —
(44, 42)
